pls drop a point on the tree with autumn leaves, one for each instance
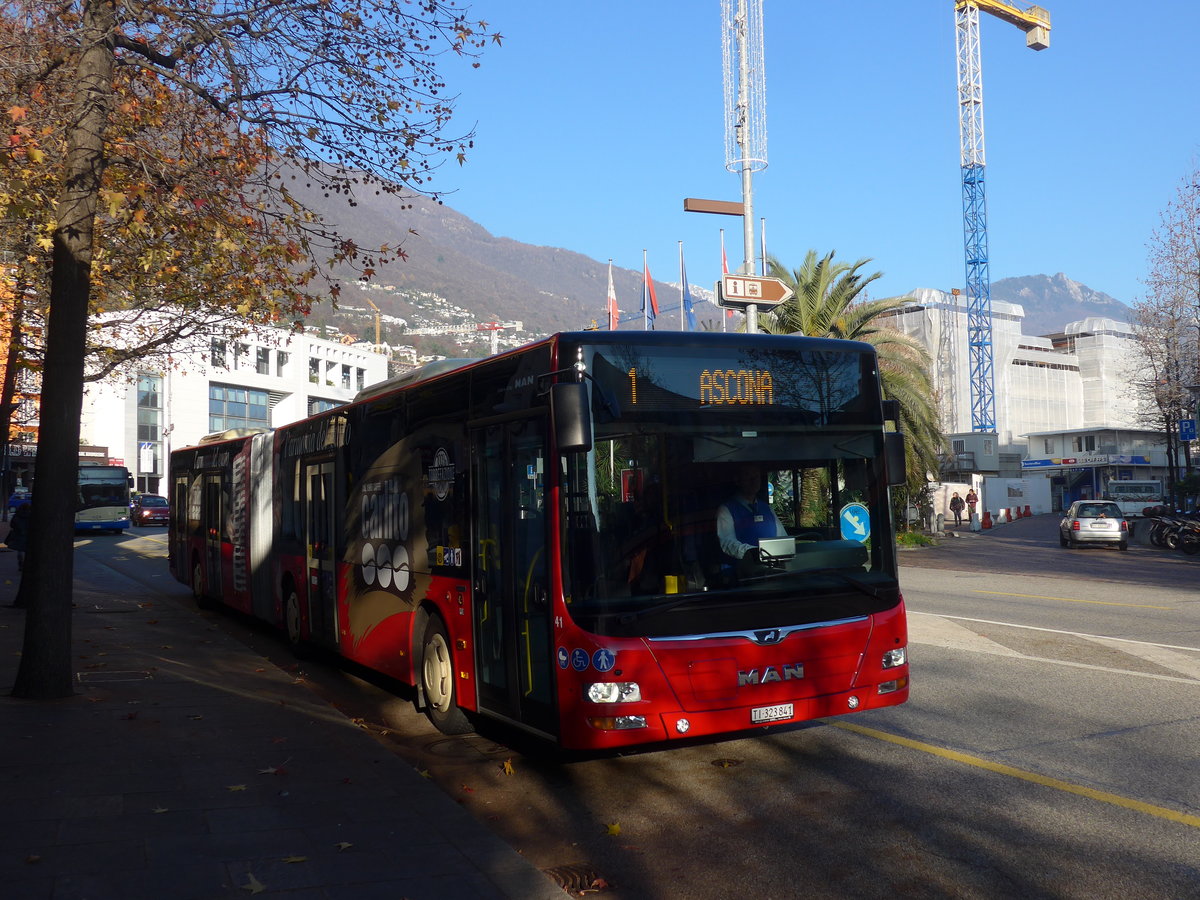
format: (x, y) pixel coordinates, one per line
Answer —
(167, 135)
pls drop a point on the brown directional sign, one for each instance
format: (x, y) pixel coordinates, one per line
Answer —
(739, 291)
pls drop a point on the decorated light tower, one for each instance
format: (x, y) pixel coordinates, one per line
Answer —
(745, 113)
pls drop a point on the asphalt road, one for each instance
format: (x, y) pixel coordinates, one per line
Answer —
(1048, 749)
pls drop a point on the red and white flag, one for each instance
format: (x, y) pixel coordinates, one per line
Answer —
(614, 314)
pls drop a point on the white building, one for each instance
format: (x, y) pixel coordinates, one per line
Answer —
(267, 379)
(1065, 417)
(1077, 379)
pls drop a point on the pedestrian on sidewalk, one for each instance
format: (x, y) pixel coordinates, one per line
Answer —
(956, 506)
(18, 531)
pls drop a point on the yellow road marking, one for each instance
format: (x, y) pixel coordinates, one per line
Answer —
(1070, 600)
(1012, 772)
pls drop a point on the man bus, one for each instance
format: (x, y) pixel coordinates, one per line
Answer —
(532, 537)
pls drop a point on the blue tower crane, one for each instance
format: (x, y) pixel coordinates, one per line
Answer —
(1035, 22)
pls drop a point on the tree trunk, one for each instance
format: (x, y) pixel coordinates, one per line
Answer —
(45, 669)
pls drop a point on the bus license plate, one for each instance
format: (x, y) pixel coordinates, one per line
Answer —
(771, 713)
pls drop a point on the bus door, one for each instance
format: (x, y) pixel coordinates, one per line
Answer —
(213, 518)
(514, 653)
(320, 541)
(180, 529)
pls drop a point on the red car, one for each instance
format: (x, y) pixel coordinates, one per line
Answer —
(150, 509)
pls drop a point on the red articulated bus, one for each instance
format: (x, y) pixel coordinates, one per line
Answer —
(533, 537)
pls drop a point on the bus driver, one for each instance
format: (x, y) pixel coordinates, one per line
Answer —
(745, 519)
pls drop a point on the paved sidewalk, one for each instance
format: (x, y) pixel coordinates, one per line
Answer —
(188, 767)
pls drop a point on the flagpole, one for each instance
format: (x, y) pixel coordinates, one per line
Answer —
(724, 271)
(614, 314)
(762, 226)
(645, 291)
(681, 287)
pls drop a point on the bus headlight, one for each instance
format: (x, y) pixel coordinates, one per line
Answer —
(893, 658)
(613, 692)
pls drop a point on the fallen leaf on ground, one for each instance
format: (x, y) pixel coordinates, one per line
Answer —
(343, 845)
(294, 859)
(613, 828)
(160, 809)
(507, 768)
(254, 886)
(235, 787)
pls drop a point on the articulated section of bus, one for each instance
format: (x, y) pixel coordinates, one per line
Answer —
(221, 533)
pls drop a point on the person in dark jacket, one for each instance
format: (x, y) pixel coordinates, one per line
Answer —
(957, 505)
(18, 531)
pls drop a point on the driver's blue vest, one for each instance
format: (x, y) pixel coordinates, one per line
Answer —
(751, 525)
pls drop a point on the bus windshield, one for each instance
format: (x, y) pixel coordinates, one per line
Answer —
(103, 499)
(723, 495)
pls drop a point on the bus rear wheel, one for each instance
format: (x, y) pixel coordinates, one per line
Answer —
(291, 621)
(202, 599)
(437, 681)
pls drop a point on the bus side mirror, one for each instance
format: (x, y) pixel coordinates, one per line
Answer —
(572, 415)
(894, 457)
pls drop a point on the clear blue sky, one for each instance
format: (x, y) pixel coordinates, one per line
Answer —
(595, 120)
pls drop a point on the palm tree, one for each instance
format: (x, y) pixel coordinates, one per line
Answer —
(830, 301)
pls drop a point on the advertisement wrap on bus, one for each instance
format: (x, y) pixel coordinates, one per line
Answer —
(549, 537)
(103, 503)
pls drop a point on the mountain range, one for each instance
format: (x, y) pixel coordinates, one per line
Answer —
(457, 272)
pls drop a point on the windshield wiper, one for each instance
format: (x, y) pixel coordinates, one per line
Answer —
(869, 589)
(630, 616)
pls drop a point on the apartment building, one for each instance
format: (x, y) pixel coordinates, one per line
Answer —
(269, 378)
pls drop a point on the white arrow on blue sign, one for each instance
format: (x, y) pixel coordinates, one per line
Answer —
(856, 522)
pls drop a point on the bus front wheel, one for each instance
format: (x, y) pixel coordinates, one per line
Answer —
(437, 681)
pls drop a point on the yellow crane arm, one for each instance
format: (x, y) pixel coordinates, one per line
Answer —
(377, 316)
(1033, 20)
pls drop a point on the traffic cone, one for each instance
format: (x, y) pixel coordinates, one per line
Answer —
(1027, 512)
(987, 519)
(1018, 509)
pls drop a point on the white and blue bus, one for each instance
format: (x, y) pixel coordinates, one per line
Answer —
(1134, 496)
(103, 499)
